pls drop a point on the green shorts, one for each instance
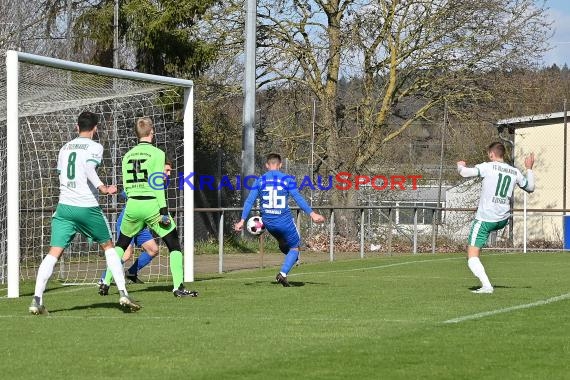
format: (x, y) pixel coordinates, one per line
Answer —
(141, 213)
(69, 220)
(480, 231)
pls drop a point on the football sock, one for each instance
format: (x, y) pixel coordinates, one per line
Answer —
(113, 257)
(290, 260)
(142, 261)
(479, 271)
(44, 273)
(176, 268)
(108, 276)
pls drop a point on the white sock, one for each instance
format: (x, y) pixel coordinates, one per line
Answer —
(283, 274)
(44, 273)
(116, 268)
(479, 271)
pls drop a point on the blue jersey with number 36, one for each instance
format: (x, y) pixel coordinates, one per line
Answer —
(273, 190)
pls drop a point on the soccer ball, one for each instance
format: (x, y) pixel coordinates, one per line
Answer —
(255, 225)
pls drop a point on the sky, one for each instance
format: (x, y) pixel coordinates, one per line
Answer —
(559, 11)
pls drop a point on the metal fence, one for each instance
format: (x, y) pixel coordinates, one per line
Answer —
(386, 230)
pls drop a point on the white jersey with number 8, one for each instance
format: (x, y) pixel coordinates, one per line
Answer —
(72, 165)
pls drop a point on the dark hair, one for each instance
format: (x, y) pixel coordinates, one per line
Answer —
(87, 121)
(498, 148)
(168, 162)
(273, 158)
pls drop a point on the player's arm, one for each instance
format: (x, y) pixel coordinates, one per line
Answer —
(158, 167)
(527, 183)
(317, 218)
(248, 205)
(465, 172)
(160, 193)
(91, 172)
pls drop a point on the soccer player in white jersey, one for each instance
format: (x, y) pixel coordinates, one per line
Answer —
(78, 210)
(493, 213)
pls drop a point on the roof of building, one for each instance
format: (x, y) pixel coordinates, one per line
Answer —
(532, 121)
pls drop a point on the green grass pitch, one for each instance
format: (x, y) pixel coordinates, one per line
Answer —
(410, 317)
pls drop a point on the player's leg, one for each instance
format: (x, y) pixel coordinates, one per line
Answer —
(150, 249)
(169, 234)
(63, 230)
(44, 274)
(478, 270)
(95, 225)
(115, 266)
(289, 240)
(108, 276)
(176, 265)
(477, 239)
(130, 224)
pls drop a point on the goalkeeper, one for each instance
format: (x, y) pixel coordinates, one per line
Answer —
(143, 239)
(146, 205)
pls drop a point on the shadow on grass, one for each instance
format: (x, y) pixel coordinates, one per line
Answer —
(101, 305)
(293, 284)
(50, 289)
(502, 287)
(154, 288)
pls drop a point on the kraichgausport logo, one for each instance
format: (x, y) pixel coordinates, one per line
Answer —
(342, 181)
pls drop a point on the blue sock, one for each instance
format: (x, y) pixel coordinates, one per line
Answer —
(290, 260)
(142, 261)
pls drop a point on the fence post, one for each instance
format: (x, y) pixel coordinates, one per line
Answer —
(361, 233)
(433, 230)
(331, 237)
(415, 231)
(390, 231)
(221, 243)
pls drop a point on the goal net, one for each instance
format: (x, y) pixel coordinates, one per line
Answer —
(50, 95)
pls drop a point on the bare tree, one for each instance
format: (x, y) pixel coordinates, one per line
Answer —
(23, 26)
(405, 54)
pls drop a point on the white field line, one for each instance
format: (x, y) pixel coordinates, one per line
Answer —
(79, 287)
(509, 309)
(341, 270)
(68, 290)
(141, 315)
(84, 285)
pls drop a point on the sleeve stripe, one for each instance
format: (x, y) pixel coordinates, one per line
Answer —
(95, 161)
(478, 172)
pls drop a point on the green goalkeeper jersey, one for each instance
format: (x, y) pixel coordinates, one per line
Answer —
(138, 165)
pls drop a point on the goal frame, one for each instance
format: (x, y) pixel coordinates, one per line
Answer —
(13, 58)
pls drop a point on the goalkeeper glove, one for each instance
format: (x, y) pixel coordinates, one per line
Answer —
(164, 217)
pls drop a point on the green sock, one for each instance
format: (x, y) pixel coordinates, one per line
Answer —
(176, 268)
(108, 274)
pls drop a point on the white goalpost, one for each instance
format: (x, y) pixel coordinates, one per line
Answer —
(43, 98)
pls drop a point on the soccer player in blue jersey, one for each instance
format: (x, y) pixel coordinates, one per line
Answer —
(273, 189)
(143, 239)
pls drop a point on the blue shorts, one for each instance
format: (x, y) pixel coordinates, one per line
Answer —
(140, 238)
(285, 231)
